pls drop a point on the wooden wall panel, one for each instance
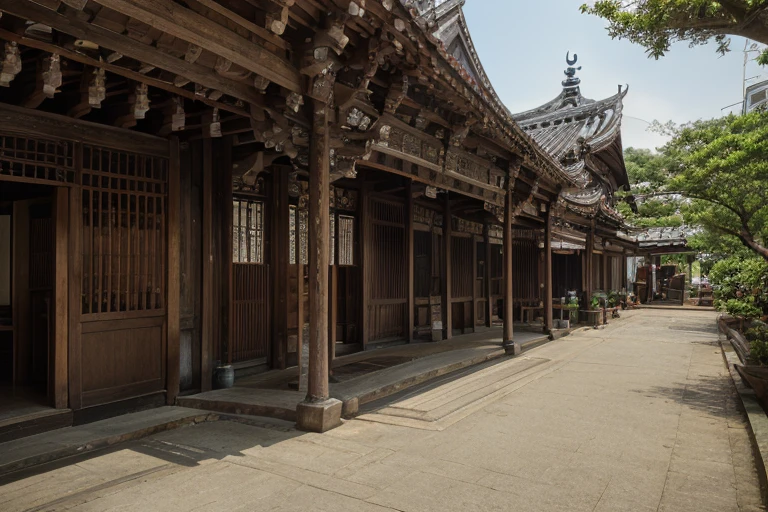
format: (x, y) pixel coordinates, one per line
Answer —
(122, 359)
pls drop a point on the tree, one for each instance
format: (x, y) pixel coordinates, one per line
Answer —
(649, 173)
(721, 165)
(656, 24)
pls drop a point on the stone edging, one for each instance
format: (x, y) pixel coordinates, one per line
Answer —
(758, 421)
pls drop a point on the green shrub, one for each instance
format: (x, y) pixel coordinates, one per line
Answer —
(741, 286)
(758, 345)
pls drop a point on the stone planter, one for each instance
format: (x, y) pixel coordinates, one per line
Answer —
(756, 377)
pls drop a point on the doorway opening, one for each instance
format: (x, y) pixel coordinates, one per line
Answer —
(27, 306)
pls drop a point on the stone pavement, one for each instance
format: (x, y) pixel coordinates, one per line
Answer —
(640, 416)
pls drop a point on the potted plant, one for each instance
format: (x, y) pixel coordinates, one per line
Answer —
(573, 309)
(754, 349)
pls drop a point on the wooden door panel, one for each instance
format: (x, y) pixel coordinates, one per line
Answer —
(252, 325)
(388, 291)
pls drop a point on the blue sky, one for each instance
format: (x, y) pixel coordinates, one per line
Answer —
(522, 45)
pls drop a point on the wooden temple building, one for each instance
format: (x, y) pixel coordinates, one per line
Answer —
(186, 184)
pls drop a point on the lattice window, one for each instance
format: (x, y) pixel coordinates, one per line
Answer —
(346, 236)
(341, 227)
(40, 159)
(247, 231)
(124, 231)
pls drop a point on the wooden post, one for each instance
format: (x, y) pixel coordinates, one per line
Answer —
(225, 174)
(447, 292)
(280, 252)
(548, 323)
(508, 342)
(75, 290)
(333, 309)
(365, 259)
(174, 275)
(208, 292)
(488, 287)
(589, 255)
(318, 412)
(411, 305)
(606, 272)
(61, 300)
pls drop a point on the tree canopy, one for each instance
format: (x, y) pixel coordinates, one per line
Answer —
(723, 169)
(714, 175)
(657, 24)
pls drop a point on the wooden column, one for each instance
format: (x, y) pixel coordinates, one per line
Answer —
(488, 287)
(60, 380)
(447, 292)
(225, 173)
(174, 275)
(409, 259)
(319, 412)
(75, 290)
(589, 255)
(548, 272)
(606, 271)
(365, 258)
(333, 307)
(508, 334)
(280, 263)
(208, 291)
(319, 253)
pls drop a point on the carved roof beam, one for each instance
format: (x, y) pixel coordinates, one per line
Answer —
(137, 51)
(186, 24)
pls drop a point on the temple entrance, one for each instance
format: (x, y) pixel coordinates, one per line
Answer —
(27, 307)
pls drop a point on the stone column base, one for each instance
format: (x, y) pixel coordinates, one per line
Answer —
(318, 416)
(512, 348)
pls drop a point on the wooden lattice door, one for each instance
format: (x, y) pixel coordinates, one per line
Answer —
(251, 327)
(386, 274)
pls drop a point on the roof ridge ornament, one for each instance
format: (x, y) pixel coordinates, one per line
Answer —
(571, 84)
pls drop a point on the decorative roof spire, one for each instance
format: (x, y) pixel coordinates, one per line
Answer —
(571, 84)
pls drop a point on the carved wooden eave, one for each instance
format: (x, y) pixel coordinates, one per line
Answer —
(497, 122)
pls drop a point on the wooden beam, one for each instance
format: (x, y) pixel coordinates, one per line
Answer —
(173, 306)
(261, 32)
(30, 122)
(118, 70)
(126, 46)
(195, 28)
(60, 379)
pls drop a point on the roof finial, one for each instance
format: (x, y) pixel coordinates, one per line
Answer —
(571, 84)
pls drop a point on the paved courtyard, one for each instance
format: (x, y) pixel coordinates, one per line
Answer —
(640, 416)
